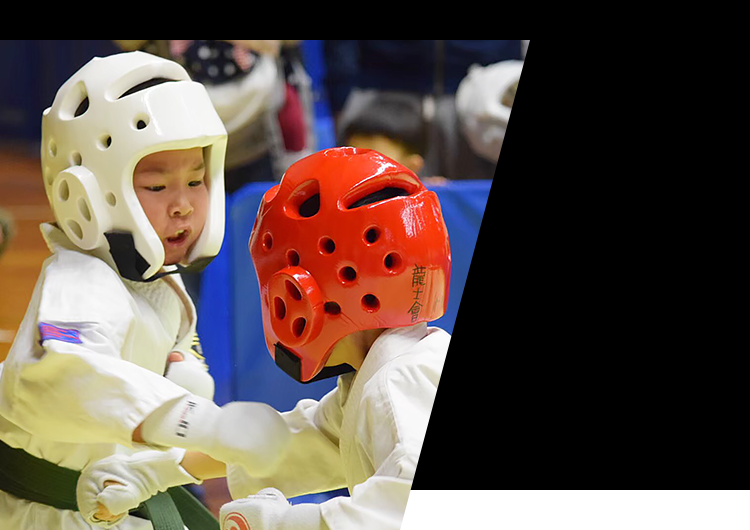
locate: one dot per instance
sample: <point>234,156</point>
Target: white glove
<point>252,435</point>
<point>269,510</point>
<point>191,376</point>
<point>140,477</point>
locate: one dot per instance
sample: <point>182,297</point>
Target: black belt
<point>35,479</point>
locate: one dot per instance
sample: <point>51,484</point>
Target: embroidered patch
<point>50,332</point>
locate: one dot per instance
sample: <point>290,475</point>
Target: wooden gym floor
<point>22,194</point>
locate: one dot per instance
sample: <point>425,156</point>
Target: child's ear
<point>414,162</point>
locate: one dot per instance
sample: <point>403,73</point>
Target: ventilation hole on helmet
<point>105,141</point>
<point>304,201</point>
<point>293,291</point>
<point>48,176</point>
<point>75,102</point>
<point>267,241</point>
<point>393,262</point>
<point>82,107</point>
<point>379,196</point>
<point>326,245</point>
<point>146,84</point>
<point>110,198</point>
<point>52,148</point>
<point>372,235</point>
<point>63,192</point>
<point>347,274</point>
<point>370,303</point>
<point>75,158</point>
<point>298,326</point>
<point>83,207</point>
<point>141,123</point>
<point>75,228</point>
<point>310,206</point>
<point>292,258</point>
<point>332,308</point>
<point>279,308</point>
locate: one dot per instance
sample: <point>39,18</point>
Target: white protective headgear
<point>479,105</point>
<point>109,115</point>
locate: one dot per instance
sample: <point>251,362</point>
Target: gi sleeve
<point>312,463</point>
<point>391,425</point>
<point>66,379</point>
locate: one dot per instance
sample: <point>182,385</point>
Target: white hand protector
<point>253,435</point>
<point>140,477</point>
<point>193,377</point>
<point>269,510</point>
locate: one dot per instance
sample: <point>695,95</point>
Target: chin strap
<point>196,266</point>
<point>131,265</point>
<point>292,366</point>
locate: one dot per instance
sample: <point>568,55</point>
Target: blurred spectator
<point>430,72</point>
<point>484,101</point>
<point>261,92</point>
<point>390,123</point>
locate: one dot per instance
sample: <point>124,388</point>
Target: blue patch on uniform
<point>50,332</point>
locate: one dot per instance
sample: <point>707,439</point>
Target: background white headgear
<point>482,106</point>
<point>109,115</point>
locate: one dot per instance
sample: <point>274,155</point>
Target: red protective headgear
<point>349,240</point>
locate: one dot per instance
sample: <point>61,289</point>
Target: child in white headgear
<point>132,160</point>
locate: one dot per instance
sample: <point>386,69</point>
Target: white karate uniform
<point>366,434</point>
<point>73,403</point>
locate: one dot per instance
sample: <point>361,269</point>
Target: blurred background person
<point>429,71</point>
<point>262,93</point>
<point>484,101</point>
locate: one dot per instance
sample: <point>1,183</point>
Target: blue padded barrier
<point>229,321</point>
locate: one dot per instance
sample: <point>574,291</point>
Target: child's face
<point>172,190</point>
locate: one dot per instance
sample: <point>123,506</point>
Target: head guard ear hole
<point>310,206</point>
<point>292,258</point>
<point>267,241</point>
<point>332,308</point>
<point>279,308</point>
<point>304,201</point>
<point>83,207</point>
<point>370,303</point>
<point>75,228</point>
<point>293,291</point>
<point>82,108</point>
<point>75,102</point>
<point>75,159</point>
<point>105,141</point>
<point>110,198</point>
<point>347,274</point>
<point>298,326</point>
<point>326,245</point>
<point>393,262</point>
<point>63,192</point>
<point>372,235</point>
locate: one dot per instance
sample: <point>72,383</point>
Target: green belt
<point>34,479</point>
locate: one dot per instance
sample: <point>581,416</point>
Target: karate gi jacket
<point>366,434</point>
<point>86,368</point>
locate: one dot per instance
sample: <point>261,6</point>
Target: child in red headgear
<point>353,260</point>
